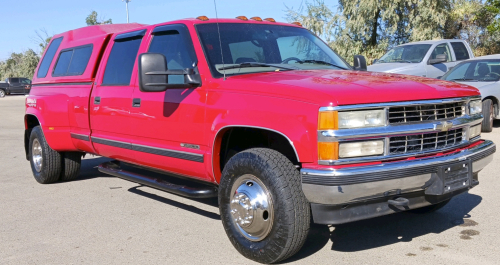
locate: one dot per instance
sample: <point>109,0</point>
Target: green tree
<point>493,7</point>
<point>93,19</point>
<point>370,27</point>
<point>19,65</point>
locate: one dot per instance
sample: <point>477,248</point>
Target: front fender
<point>295,120</point>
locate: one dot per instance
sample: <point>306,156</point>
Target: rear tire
<point>271,233</point>
<point>71,163</point>
<point>488,115</point>
<point>45,162</point>
<point>430,208</point>
<point>2,93</point>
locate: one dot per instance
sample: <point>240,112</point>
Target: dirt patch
<point>411,255</point>
<point>464,237</point>
<point>442,245</point>
<point>469,222</point>
<point>426,248</point>
<point>469,232</point>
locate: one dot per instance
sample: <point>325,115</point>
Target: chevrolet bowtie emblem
<point>443,126</point>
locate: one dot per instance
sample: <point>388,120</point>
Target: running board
<point>113,168</point>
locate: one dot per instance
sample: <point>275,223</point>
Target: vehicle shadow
<point>387,230</point>
<point>89,171</point>
<point>211,202</point>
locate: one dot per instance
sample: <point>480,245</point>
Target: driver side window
<point>442,48</point>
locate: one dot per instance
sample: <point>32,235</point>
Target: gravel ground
<point>100,219</point>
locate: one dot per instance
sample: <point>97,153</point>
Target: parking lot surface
<point>100,219</point>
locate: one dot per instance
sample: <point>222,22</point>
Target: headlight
<point>333,120</point>
<point>475,107</point>
<point>474,131</point>
<point>365,148</point>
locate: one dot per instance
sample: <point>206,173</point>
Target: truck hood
<point>479,85</point>
<point>335,88</point>
<point>392,67</point>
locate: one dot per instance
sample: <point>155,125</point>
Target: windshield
<point>475,71</point>
<point>251,48</point>
<point>414,53</point>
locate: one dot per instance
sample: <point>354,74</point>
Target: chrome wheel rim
<point>251,207</point>
<point>36,153</point>
<point>2,94</point>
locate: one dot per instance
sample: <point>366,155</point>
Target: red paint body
<point>286,102</point>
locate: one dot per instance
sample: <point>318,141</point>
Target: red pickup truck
<point>263,115</point>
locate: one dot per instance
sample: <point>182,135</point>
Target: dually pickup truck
<point>15,86</point>
<point>263,115</point>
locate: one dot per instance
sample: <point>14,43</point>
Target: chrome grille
<point>427,112</point>
<point>425,142</point>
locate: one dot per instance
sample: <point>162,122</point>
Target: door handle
<point>97,100</point>
<point>136,102</point>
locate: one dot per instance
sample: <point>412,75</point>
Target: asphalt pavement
<point>99,219</point>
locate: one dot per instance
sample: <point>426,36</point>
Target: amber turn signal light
<point>270,19</point>
<point>328,120</point>
<point>202,18</point>
<point>242,18</point>
<point>328,151</point>
<point>256,19</point>
<point>297,23</point>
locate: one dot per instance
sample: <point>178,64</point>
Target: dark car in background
<point>15,85</point>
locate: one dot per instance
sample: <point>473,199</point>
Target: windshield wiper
<point>254,64</point>
<point>324,63</point>
<point>464,79</point>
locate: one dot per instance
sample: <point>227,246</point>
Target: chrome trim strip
<point>394,130</point>
<point>78,136</point>
<point>63,84</point>
<point>249,126</point>
<point>397,104</point>
<point>365,159</point>
<point>150,149</point>
<point>366,173</point>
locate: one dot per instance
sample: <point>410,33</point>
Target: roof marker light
<point>256,19</point>
<point>202,18</point>
<point>242,18</point>
<point>297,23</point>
<point>270,19</point>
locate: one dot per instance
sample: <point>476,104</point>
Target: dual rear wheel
<point>50,166</point>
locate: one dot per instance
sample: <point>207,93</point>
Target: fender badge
<point>443,126</point>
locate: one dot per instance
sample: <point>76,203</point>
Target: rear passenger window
<point>73,61</point>
<point>460,50</point>
<point>47,59</point>
<point>121,59</point>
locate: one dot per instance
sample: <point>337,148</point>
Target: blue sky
<point>20,18</point>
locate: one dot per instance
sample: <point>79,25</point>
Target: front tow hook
<point>399,202</point>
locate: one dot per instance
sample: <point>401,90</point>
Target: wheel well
<point>495,103</point>
<point>236,139</point>
<point>30,122</point>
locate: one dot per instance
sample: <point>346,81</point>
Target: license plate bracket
<point>451,177</point>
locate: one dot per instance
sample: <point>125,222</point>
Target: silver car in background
<point>484,74</point>
<point>424,58</point>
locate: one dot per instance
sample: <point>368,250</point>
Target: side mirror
<point>374,61</point>
<point>153,74</point>
<point>360,63</point>
<point>440,58</point>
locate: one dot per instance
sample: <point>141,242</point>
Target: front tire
<point>263,209</point>
<point>45,162</point>
<point>488,115</point>
<point>2,93</point>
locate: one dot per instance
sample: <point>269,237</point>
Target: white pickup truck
<point>424,58</point>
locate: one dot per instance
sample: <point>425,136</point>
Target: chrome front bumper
<point>356,184</point>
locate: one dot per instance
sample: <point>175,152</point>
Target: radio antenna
<point>220,42</point>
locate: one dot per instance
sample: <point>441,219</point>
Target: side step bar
<point>113,168</point>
